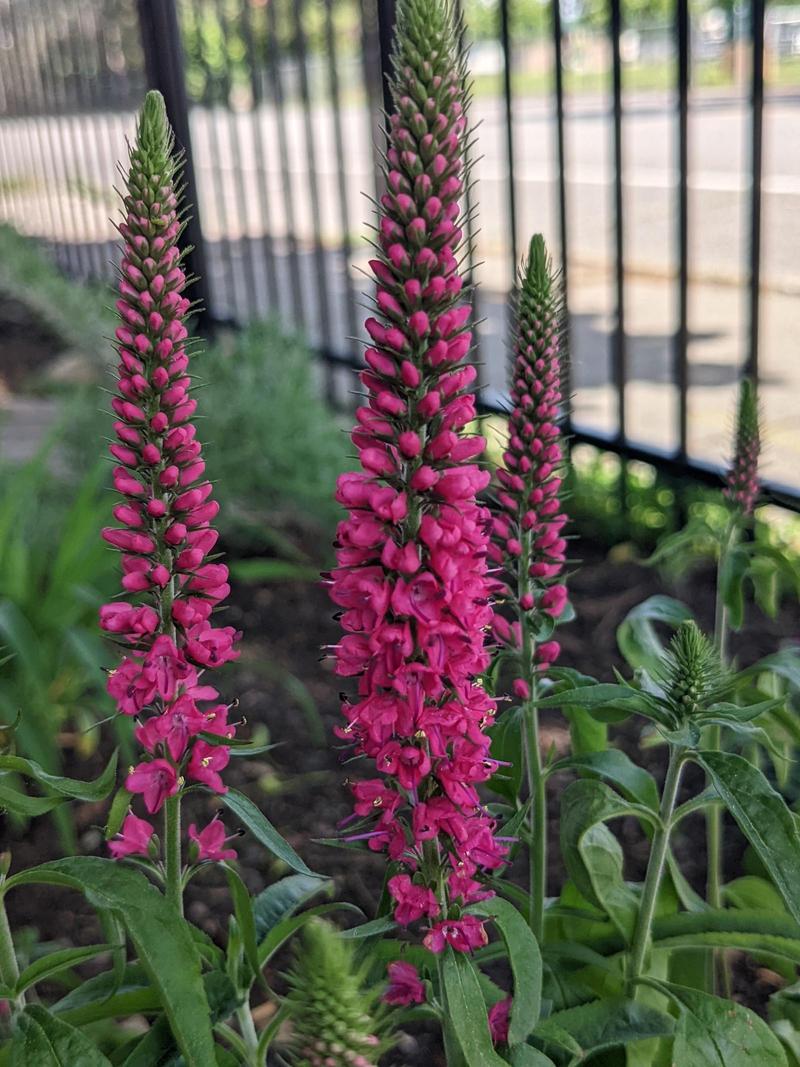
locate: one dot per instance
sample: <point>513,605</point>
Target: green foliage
<point>54,574</point>
<point>274,447</point>
<point>74,313</point>
<point>335,1017</point>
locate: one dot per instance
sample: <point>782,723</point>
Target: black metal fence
<point>597,128</point>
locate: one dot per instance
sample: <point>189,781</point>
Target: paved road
<point>243,196</point>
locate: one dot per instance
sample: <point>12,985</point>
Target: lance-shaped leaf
<point>263,830</point>
<point>73,788</point>
<point>763,817</point>
<point>466,1011</point>
<point>164,946</point>
<point>526,964</point>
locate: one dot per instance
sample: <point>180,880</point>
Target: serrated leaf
<point>41,1040</point>
<point>637,638</point>
<point>525,959</point>
<point>603,1024</point>
<point>592,855</point>
<point>712,1032</point>
<point>263,830</point>
<point>614,766</point>
<point>763,817</point>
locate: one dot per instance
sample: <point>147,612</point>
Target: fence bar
<point>273,291</point>
<point>298,304</point>
<point>320,266</point>
<point>681,350</point>
<point>345,248</point>
<point>756,164</point>
<point>558,60</point>
<point>618,348</point>
<point>163,54</point>
<point>505,41</point>
<point>387,16</point>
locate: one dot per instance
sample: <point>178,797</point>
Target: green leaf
<point>604,695</point>
<point>54,962</point>
<point>528,1056</point>
<point>712,1032</point>
<point>117,812</point>
<point>105,997</point>
<point>382,925</point>
<point>41,1040</point>
<point>526,964</point>
<point>637,637</point>
<point>263,830</point>
<point>155,1049</point>
<point>592,855</point>
<point>283,898</point>
<point>243,910</point>
<point>786,664</point>
<point>603,1024</point>
<point>733,569</point>
<point>635,783</point>
<point>18,803</point>
<point>762,816</point>
<point>281,933</point>
<point>66,787</point>
<point>466,1011</point>
<point>164,946</point>
<point>586,733</point>
<point>506,737</point>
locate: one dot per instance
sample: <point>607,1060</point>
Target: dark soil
<point>300,784</point>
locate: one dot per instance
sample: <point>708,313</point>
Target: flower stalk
<point>9,968</point>
<point>411,578</point>
<point>164,534</point>
<point>656,866</point>
<point>741,490</point>
<point>527,529</point>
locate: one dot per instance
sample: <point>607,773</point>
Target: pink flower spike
<point>210,842</point>
<point>156,781</point>
<point>405,986</point>
<point>133,839</point>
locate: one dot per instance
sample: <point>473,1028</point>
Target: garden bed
<point>300,783</point>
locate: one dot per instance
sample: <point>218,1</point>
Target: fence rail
<point>278,104</point>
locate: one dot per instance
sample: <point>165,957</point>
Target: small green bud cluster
<point>692,673</point>
<point>335,1021</point>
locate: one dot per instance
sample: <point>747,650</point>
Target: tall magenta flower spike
<point>528,540</point>
<point>412,567</point>
<point>741,481</point>
<point>164,532</point>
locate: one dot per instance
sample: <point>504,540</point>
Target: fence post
<point>163,56</point>
<point>387,16</point>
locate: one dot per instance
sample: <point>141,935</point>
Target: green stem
<point>537,817</point>
<point>655,867</point>
<point>172,853</point>
<point>715,843</point>
<point>249,1035</point>
<point>9,968</point>
<point>537,849</point>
